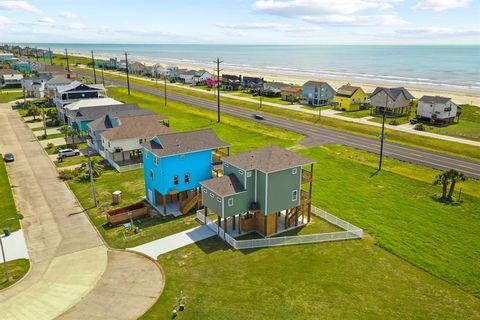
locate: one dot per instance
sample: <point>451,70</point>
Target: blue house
<point>175,163</point>
<point>317,93</point>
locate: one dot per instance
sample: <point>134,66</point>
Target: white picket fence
<point>350,232</point>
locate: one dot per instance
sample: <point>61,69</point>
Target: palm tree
<point>455,177</point>
<point>96,167</point>
<point>66,131</point>
<point>32,110</point>
<point>443,179</point>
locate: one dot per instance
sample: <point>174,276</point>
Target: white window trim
<point>212,195</point>
<point>294,171</point>
<point>240,172</point>
<point>295,195</point>
<point>249,174</point>
<point>219,199</point>
<point>230,202</point>
<point>205,190</point>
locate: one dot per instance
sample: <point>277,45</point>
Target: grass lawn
<point>48,127</point>
<point>355,114</point>
<point>70,161</point>
<point>468,127</point>
<point>395,121</point>
<point>402,213</point>
<point>277,100</point>
<point>17,269</point>
<point>52,136</point>
<point>8,209</point>
<point>337,280</point>
<point>54,149</point>
<point>10,96</point>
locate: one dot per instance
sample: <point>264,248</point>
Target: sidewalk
<point>175,241</point>
<point>14,246</point>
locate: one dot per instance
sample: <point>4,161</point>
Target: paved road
<point>325,135</point>
<point>69,260</point>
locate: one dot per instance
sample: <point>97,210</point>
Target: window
<point>205,190</point>
<point>219,199</point>
<point>109,144</point>
<point>187,177</point>
<point>140,141</point>
<point>225,165</point>
<point>240,172</point>
<point>249,174</point>
<point>294,195</point>
<point>175,180</point>
<point>151,175</point>
<point>156,160</point>
<point>212,195</point>
<point>230,202</point>
<point>294,171</point>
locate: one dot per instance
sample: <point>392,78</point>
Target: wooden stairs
<point>190,202</point>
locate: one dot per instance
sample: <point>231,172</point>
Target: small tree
<point>32,110</point>
<point>96,167</point>
<point>455,177</point>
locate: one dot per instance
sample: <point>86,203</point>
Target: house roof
<point>12,76</point>
<point>312,83</point>
<point>9,71</point>
<point>276,85</point>
<point>92,113</point>
<point>59,80</point>
<point>224,185</point>
<point>190,72</point>
<point>145,126</point>
<point>104,122</point>
<point>289,89</point>
<point>347,91</point>
<point>434,99</point>
<point>185,142</point>
<point>267,159</point>
<point>93,102</point>
<point>181,71</point>
<point>77,83</point>
<point>394,92</point>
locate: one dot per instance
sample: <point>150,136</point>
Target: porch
<point>176,203</point>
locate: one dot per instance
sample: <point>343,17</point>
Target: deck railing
<point>350,232</point>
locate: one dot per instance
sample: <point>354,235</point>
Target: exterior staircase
<point>189,203</point>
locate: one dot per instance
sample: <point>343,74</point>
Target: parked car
<point>259,117</point>
<point>414,121</point>
<point>68,153</point>
<point>8,157</point>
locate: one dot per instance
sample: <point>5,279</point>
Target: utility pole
<point>261,98</point>
<point>94,72</point>
<point>68,64</point>
<point>50,53</point>
<point>128,78</point>
<point>218,88</point>
<point>103,78</point>
<point>36,53</point>
<point>319,112</point>
<point>44,124</point>
<point>92,181</point>
<point>382,137</point>
<point>165,89</point>
<point>5,267</point>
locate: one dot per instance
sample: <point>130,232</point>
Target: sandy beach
<point>458,97</point>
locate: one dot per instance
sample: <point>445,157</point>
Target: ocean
<point>451,68</point>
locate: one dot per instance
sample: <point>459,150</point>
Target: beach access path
<point>324,113</point>
<point>71,267</point>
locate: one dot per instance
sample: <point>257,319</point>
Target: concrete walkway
<point>14,246</point>
<point>175,241</point>
<point>68,258</point>
<point>55,142</point>
<point>39,133</point>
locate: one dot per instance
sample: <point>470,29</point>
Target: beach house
<point>437,110</point>
<point>10,78</point>
<point>230,82</point>
<point>54,82</point>
<point>317,93</point>
<point>252,83</point>
<point>273,89</point>
<point>122,144</point>
<point>350,98</point>
<point>175,163</point>
<point>291,93</point>
<point>34,87</point>
<point>260,190</point>
<point>71,110</point>
<point>201,77</point>
<point>392,101</point>
<point>75,91</point>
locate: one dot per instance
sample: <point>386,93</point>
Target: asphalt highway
<point>325,135</point>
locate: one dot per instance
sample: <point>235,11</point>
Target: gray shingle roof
<point>185,142</point>
<point>436,99</point>
<point>92,113</point>
<point>103,122</point>
<point>224,185</point>
<point>347,90</point>
<point>312,83</point>
<point>59,80</point>
<point>74,84</point>
<point>394,92</point>
<point>267,159</point>
<point>146,126</point>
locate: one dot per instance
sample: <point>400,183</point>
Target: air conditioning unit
<point>254,206</point>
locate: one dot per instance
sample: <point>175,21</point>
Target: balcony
<point>306,176</point>
<point>218,154</point>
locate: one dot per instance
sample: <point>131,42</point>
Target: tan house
<point>291,93</point>
<point>392,100</point>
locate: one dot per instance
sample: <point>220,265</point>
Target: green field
<point>16,268</point>
<point>8,210</point>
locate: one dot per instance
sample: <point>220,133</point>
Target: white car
<point>68,153</point>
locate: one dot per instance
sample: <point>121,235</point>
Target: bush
<point>50,145</point>
<point>69,174</point>
<point>84,177</point>
<point>419,127</point>
<point>393,122</point>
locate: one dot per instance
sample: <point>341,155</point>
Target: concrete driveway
<point>70,263</point>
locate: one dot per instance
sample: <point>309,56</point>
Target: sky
<point>241,21</point>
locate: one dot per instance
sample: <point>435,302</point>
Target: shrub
<point>50,145</point>
<point>69,174</point>
<point>419,127</point>
<point>393,122</point>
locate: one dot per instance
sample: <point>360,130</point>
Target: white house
<point>11,80</point>
<point>34,87</point>
<point>122,143</point>
<point>201,76</point>
<point>437,110</point>
<point>52,84</point>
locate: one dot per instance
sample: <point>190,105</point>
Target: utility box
<point>6,232</point>
<point>116,197</point>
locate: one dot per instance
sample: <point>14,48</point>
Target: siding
<point>280,187</point>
